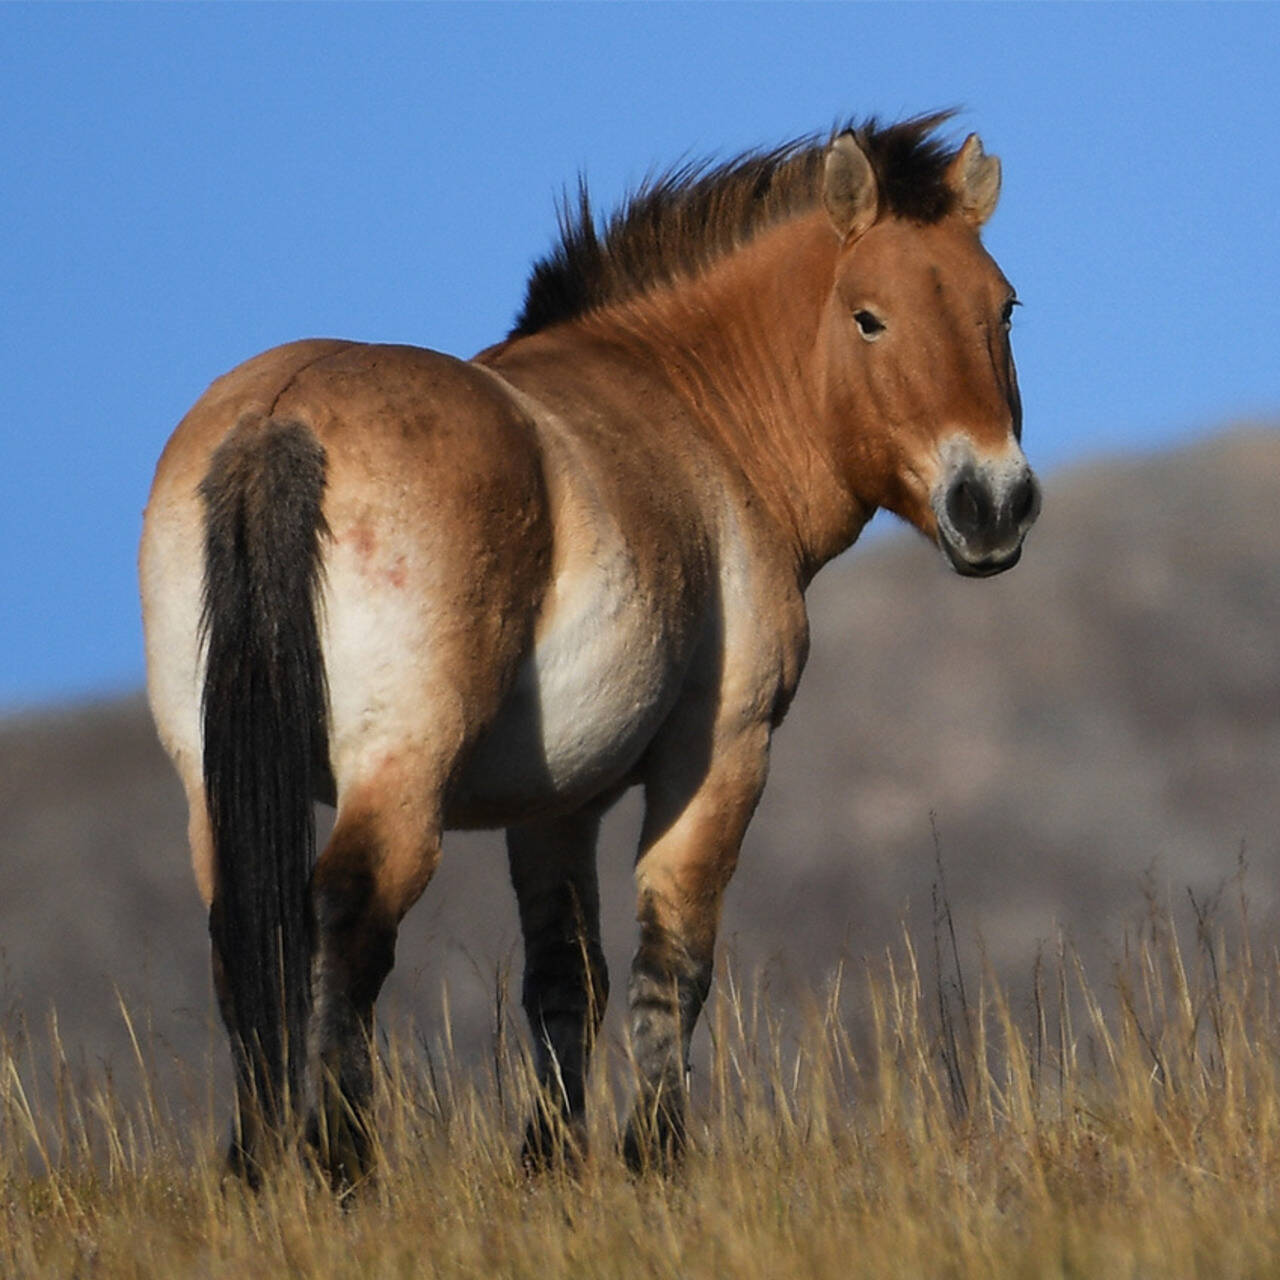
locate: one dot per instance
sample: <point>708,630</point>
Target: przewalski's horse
<point>440,593</point>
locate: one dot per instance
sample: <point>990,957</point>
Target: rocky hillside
<point>1103,721</point>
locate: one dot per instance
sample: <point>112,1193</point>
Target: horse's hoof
<point>343,1156</point>
<point>655,1144</point>
<point>553,1144</point>
<point>241,1165</point>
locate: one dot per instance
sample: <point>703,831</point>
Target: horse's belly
<point>582,709</point>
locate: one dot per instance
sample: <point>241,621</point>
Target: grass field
<point>1125,1124</point>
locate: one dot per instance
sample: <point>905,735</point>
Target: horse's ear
<point>975,178</point>
<point>849,188</point>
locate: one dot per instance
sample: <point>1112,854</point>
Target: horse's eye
<point>1006,316</point>
<point>869,324</point>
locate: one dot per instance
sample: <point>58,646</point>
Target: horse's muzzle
<point>984,511</point>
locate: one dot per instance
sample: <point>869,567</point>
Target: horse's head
<point>919,382</point>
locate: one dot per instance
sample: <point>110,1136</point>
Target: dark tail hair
<point>265,711</point>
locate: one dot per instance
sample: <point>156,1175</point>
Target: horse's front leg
<point>700,793</point>
<point>566,982</point>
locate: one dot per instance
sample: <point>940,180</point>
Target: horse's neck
<point>737,347</point>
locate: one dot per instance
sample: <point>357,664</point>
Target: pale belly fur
<point>585,703</point>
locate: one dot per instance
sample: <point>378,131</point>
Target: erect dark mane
<point>678,223</point>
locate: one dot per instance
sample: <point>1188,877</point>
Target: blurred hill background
<point>1104,721</point>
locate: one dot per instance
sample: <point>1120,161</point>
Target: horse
<point>440,594</point>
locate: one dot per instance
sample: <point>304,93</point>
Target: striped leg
<point>566,982</point>
<point>689,847</point>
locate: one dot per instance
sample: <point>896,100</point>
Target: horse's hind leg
<point>384,848</point>
<point>566,982</point>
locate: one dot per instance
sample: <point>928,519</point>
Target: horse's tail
<point>265,731</point>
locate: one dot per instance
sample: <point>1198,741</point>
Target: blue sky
<point>186,185</point>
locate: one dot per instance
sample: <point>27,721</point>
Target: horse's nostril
<point>969,506</point>
<point>1022,501</point>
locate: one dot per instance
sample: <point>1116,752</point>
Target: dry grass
<point>1129,1127</point>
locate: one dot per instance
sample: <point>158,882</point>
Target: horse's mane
<point>680,221</point>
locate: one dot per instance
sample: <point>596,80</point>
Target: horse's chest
<point>604,673</point>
